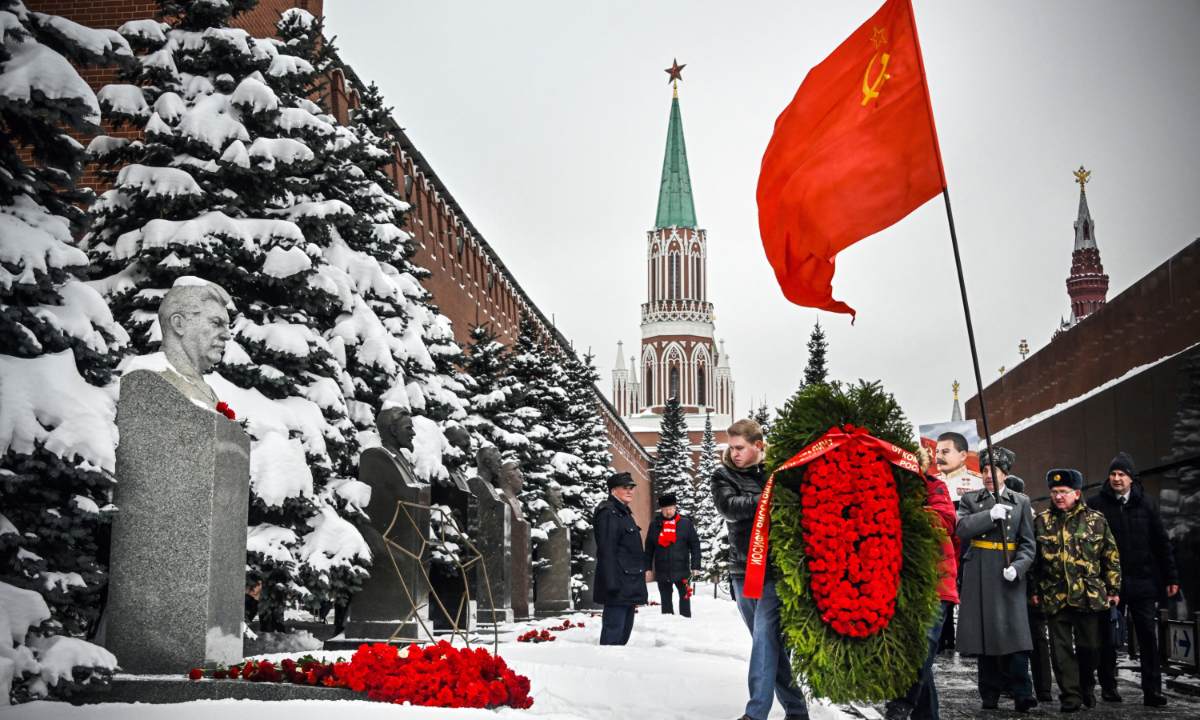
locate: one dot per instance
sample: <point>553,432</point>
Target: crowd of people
<point>1037,594</point>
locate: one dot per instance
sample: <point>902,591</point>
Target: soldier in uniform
<point>1076,575</point>
<point>993,620</point>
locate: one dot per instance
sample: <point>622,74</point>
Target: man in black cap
<point>672,540</point>
<point>620,569</point>
<point>1147,569</point>
<point>1076,574</point>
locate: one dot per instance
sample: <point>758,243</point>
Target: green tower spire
<point>675,194</point>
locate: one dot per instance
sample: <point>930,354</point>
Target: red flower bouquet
<point>224,409</point>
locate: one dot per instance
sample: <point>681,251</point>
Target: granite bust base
<point>387,597</point>
<point>552,584</point>
<point>177,578</point>
<point>163,691</point>
<point>589,573</point>
<point>491,531</point>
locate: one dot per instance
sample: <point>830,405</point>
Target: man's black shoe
<point>796,717</point>
<point>1025,703</point>
<point>1155,700</point>
<point>1089,701</point>
<point>897,711</point>
<point>1110,695</point>
<point>991,704</point>
<point>1069,707</point>
<point>1045,697</point>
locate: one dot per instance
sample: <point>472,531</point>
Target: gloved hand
<point>999,512</point>
<point>1010,573</point>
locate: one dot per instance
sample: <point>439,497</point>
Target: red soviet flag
<point>854,152</point>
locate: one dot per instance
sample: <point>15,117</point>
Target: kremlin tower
<point>1088,285</point>
<point>679,356</point>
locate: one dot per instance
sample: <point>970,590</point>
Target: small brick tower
<point>1088,285</point>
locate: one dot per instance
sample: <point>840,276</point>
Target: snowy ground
<point>673,667</point>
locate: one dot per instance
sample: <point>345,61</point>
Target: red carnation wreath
<point>852,537</point>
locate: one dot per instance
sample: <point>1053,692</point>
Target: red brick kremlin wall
<point>469,283</point>
<point>1156,317</point>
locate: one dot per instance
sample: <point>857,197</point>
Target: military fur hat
<point>620,479</point>
<point>667,500</point>
<point>1014,483</point>
<point>1004,458</point>
<point>1071,479</point>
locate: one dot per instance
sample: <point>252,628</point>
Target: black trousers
<point>616,624</point>
<point>1039,659</point>
<point>685,604</point>
<point>1140,612</point>
<point>991,681</point>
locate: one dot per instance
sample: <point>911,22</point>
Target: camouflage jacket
<point>1077,563</point>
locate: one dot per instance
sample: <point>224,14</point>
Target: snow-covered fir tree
<point>494,416</point>
<point>542,403</point>
<point>241,179</point>
<point>710,526</point>
<point>673,466</point>
<point>58,341</point>
<point>815,371</point>
<point>762,416</point>
<point>585,486</point>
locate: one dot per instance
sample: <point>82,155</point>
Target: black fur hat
<point>1072,479</point>
<point>666,500</point>
<point>1004,458</point>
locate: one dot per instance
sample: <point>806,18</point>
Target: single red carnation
<point>195,674</point>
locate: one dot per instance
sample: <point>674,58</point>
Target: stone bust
<point>194,320</point>
<point>396,429</point>
<point>554,496</point>
<point>511,479</point>
<point>458,437</point>
<point>487,462</point>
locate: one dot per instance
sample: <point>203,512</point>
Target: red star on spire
<point>675,72</point>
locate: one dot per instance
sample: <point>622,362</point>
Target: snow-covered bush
<point>58,341</point>
<point>34,661</point>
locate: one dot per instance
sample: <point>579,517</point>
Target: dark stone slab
<point>177,578</point>
<point>491,528</point>
<point>158,691</point>
<point>451,586</point>
<point>553,582</point>
<point>387,596</point>
<point>589,574</point>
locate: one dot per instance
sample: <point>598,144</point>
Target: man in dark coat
<point>737,485</point>
<point>993,620</point>
<point>1147,568</point>
<point>620,569</point>
<point>672,541</point>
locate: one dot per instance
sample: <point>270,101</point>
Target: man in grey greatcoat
<point>993,621</point>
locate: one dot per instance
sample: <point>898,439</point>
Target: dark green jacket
<point>1077,564</point>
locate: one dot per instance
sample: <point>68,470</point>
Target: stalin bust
<point>194,320</point>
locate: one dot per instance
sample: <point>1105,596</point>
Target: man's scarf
<point>667,536</point>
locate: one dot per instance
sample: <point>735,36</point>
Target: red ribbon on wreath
<point>756,563</point>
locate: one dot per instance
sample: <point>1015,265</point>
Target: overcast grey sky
<point>548,123</point>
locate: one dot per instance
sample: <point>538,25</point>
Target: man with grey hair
<point>194,321</point>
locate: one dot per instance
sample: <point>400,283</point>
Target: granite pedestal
<point>491,529</point>
<point>391,600</point>
<point>552,591</point>
<point>589,573</point>
<point>177,577</point>
<point>449,582</point>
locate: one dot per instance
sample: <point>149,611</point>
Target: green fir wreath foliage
<point>886,664</point>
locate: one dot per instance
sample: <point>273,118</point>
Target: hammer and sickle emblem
<point>872,90</point>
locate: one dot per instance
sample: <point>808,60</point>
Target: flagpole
<point>987,431</point>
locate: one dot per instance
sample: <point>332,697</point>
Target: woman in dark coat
<point>672,541</point>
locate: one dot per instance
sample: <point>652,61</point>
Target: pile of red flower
<point>567,625</point>
<point>534,636</point>
<point>436,675</point>
<point>851,527</point>
<point>224,409</point>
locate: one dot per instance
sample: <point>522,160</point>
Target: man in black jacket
<point>620,573</point>
<point>670,543</point>
<point>737,486</point>
<point>1147,568</point>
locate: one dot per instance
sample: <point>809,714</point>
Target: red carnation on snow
<point>224,409</point>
